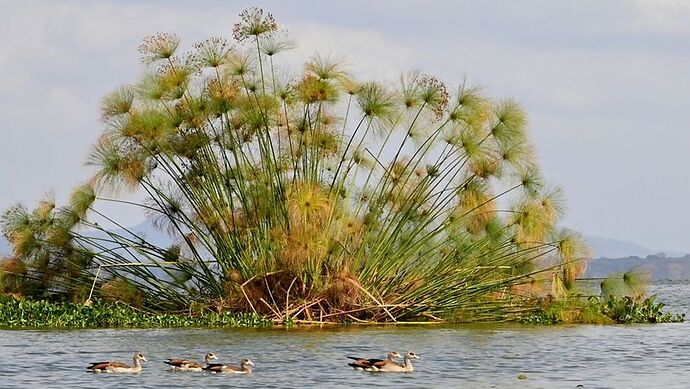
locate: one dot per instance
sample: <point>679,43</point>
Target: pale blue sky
<point>606,85</point>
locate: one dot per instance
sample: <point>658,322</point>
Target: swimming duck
<point>245,367</point>
<point>189,365</point>
<point>118,367</point>
<point>406,368</point>
<point>374,364</point>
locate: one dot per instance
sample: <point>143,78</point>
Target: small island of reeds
<point>307,197</point>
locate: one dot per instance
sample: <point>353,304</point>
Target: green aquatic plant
<point>627,309</point>
<point>305,197</point>
<point>24,314</point>
<point>622,300</point>
<point>599,310</point>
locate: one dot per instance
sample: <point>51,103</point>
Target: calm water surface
<point>633,356</point>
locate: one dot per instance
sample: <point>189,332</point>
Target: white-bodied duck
<point>189,365</point>
<point>245,367</point>
<point>118,367</point>
<point>375,364</point>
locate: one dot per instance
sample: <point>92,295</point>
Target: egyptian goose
<point>245,367</point>
<point>189,365</point>
<point>374,364</point>
<point>406,368</point>
<point>118,367</point>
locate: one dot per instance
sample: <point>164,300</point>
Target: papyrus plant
<point>316,195</point>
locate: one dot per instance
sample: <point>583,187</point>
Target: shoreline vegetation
<point>303,197</point>
<point>18,314</point>
<point>30,314</point>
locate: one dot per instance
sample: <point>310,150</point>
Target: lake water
<point>622,356</point>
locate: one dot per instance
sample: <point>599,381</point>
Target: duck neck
<point>408,364</point>
<point>137,364</point>
<point>246,367</point>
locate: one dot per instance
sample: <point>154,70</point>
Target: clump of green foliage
<point>311,196</point>
<point>22,314</point>
<point>629,310</point>
<point>599,310</point>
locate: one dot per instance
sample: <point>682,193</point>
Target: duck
<point>404,368</point>
<point>118,367</point>
<point>189,365</point>
<point>374,364</point>
<point>245,367</point>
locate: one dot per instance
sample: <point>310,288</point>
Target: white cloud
<point>663,16</point>
<point>368,54</point>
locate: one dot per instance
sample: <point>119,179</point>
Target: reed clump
<point>311,196</point>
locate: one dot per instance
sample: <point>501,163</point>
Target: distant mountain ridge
<point>658,267</point>
<point>618,256</point>
<point>615,248</point>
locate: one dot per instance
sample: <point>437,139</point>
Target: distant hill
<point>617,256</point>
<point>614,248</point>
<point>659,267</point>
